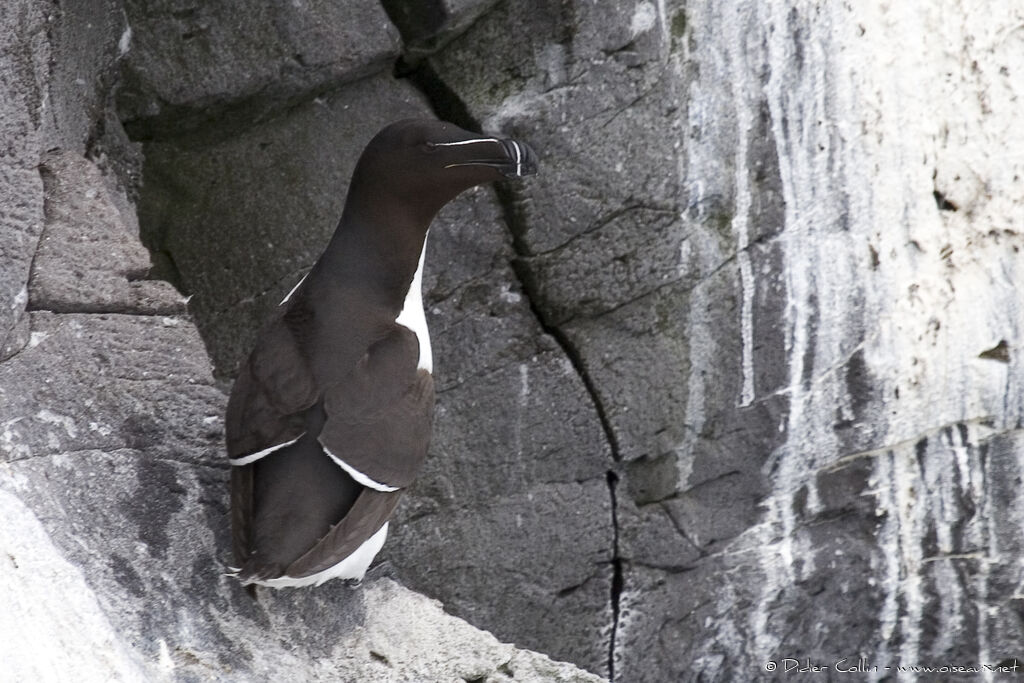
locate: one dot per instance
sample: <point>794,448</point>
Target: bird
<point>330,415</point>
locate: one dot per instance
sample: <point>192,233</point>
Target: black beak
<point>522,160</point>
<point>515,159</point>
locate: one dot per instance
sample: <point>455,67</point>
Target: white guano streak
<point>777,552</point>
<point>740,224</point>
<point>787,559</point>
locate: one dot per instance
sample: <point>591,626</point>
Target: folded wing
<point>379,417</point>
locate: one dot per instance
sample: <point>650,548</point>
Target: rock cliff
<point>113,482</point>
<point>734,380</point>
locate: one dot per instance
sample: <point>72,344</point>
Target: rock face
<point>519,453</point>
<point>195,64</point>
<point>768,247</point>
<point>735,380</point>
<point>113,481</point>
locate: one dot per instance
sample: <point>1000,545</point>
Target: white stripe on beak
<point>519,158</point>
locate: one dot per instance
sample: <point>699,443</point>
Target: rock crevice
<point>446,104</point>
<point>736,378</point>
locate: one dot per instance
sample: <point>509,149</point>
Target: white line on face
<point>466,142</point>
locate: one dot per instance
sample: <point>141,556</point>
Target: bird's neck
<point>375,256</point>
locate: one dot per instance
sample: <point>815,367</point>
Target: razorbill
<point>330,416</point>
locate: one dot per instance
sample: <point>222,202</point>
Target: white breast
<point>413,317</point>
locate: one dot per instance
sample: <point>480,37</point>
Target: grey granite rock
<point>86,39</point>
<point>190,64</point>
<point>599,232</point>
<point>734,380</point>
<point>49,410</point>
<point>24,53</point>
<point>113,557</point>
<point>56,67</point>
<point>89,258</point>
<point>21,224</point>
<point>753,241</point>
<point>428,26</point>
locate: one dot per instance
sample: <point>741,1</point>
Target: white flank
<point>466,142</point>
<point>357,475</point>
<point>352,567</point>
<point>413,317</point>
<point>253,457</point>
<point>289,294</point>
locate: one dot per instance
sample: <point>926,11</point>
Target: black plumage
<point>330,416</point>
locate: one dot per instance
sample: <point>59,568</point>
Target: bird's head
<point>419,165</point>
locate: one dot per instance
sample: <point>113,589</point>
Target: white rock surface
<point>894,127</point>
<point>51,628</point>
